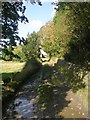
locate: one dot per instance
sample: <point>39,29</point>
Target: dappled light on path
<point>52,94</point>
<point>76,108</point>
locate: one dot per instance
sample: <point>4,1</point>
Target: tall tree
<point>10,18</point>
<point>31,47</point>
<point>48,39</point>
<point>76,21</point>
<point>12,12</point>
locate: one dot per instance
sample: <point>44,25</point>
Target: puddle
<point>50,104</point>
<point>28,107</point>
<point>22,108</point>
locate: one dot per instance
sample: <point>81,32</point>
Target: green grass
<point>9,66</point>
<point>14,75</point>
<point>8,69</point>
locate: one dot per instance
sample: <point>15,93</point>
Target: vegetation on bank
<point>13,80</point>
<point>67,36</point>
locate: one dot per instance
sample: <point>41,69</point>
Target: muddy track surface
<point>63,103</point>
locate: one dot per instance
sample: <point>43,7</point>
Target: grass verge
<point>12,81</point>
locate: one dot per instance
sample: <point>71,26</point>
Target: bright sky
<point>37,15</point>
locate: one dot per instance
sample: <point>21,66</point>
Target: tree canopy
<point>31,46</point>
<point>12,12</point>
<point>72,21</point>
<point>66,36</point>
<point>10,18</point>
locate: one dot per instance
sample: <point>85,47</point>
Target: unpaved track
<point>64,103</point>
<point>76,108</point>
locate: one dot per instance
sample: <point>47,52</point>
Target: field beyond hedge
<point>9,66</point>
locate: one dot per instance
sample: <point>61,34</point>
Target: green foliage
<point>13,81</point>
<point>62,30</point>
<point>31,47</point>
<point>72,23</point>
<point>29,50</point>
<point>12,12</point>
<point>25,52</point>
<point>49,40</point>
<point>52,48</point>
<point>45,92</point>
<point>19,52</point>
<point>6,77</point>
<point>8,54</point>
<point>10,18</point>
<point>69,75</point>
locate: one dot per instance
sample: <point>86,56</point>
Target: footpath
<point>63,103</point>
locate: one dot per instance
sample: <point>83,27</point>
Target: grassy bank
<point>14,75</point>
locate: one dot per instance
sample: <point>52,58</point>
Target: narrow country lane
<point>63,103</point>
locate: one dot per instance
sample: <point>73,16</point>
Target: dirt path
<point>77,107</point>
<point>25,105</point>
<point>62,104</point>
